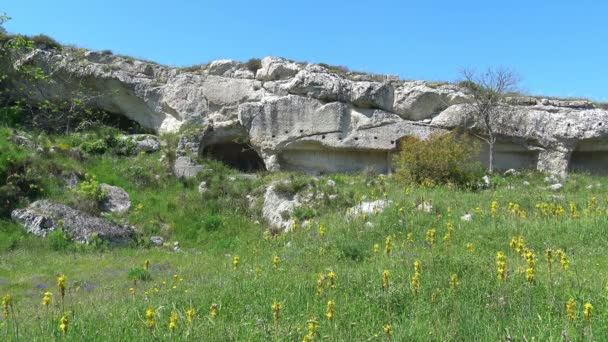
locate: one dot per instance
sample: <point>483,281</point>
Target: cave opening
<point>236,155</point>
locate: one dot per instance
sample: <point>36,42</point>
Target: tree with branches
<point>489,90</point>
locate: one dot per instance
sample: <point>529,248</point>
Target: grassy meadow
<point>333,278</point>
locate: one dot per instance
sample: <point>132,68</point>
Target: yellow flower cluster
<point>235,262</point>
<point>571,309</point>
<point>276,310</point>
<point>173,321</point>
<point>454,282</point>
<point>494,209</point>
<point>531,270</point>
<point>563,259</point>
<point>61,284</point>
<point>388,245</point>
<point>276,261</point>
<point>588,312</point>
<point>388,330</point>
<point>431,236</point>
<point>544,209</point>
<point>501,265</point>
<point>7,303</point>
<point>190,314</point>
<point>214,310</point>
<point>63,324</point>
<point>386,279</point>
<point>331,310</point>
<point>47,299</point>
<point>313,326</point>
<point>151,317</point>
<point>448,235</point>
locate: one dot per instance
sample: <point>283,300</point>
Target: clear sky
<point>558,47</point>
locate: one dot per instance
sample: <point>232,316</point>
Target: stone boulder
<point>417,100</point>
<point>279,207</point>
<point>44,216</point>
<point>274,68</point>
<point>144,143</point>
<point>117,199</point>
<point>186,167</point>
<point>368,208</point>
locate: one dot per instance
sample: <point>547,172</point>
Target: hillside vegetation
<point>336,277</point>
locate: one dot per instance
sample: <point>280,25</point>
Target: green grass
<point>215,226</point>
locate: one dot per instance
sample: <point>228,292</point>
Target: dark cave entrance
<point>236,155</point>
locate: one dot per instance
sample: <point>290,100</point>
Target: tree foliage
<point>489,90</point>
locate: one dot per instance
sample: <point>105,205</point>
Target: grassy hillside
<point>335,258</point>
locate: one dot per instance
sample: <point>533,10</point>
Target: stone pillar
<point>555,161</point>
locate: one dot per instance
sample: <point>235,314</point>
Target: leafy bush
<point>352,250</point>
<point>90,189</point>
<point>441,159</point>
<point>94,147</point>
<point>43,39</point>
<point>58,240</point>
<point>254,64</point>
<point>11,116</point>
<point>9,198</point>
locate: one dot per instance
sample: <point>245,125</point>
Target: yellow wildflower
<point>588,312</point>
<point>494,209</point>
<point>313,326</point>
<point>415,283</point>
<point>550,259</point>
<point>151,317</point>
<point>388,330</point>
<point>214,310</point>
<point>47,299</point>
<point>320,283</point>
<point>7,303</point>
<point>448,235</point>
<point>63,324</point>
<point>276,310</point>
<point>454,282</point>
<point>563,259</point>
<point>470,247</point>
<point>322,231</point>
<point>388,245</point>
<point>61,284</point>
<point>276,261</point>
<point>190,314</point>
<point>235,262</point>
<point>386,279</point>
<point>146,264</point>
<point>376,248</point>
<point>331,310</point>
<point>410,237</point>
<point>417,268</point>
<point>501,265</point>
<point>431,236</point>
<point>571,309</point>
<point>331,276</point>
<point>531,270</point>
<point>173,321</point>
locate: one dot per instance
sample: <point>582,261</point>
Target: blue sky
<point>558,47</point>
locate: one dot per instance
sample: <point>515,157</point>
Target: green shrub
<point>58,240</point>
<point>11,116</point>
<point>43,39</point>
<point>10,196</point>
<point>139,274</point>
<point>441,159</point>
<point>292,187</point>
<point>254,64</point>
<point>212,222</point>
<point>94,147</point>
<point>90,189</point>
<point>352,250</point>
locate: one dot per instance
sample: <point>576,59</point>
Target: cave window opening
<point>236,155</point>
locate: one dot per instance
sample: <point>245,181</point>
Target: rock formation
<point>298,116</point>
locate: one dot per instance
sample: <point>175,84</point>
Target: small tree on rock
<point>489,90</point>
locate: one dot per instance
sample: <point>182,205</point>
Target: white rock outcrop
<point>316,118</point>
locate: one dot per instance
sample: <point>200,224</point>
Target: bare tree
<point>489,90</point>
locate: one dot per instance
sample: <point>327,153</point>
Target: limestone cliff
<point>309,117</point>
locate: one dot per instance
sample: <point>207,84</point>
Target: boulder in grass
<point>44,216</point>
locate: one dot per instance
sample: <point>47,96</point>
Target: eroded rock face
<point>278,208</point>
<point>306,117</point>
<point>43,216</point>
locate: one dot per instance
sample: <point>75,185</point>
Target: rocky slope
<point>299,116</point>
